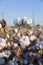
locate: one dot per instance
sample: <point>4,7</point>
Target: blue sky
<point>14,8</point>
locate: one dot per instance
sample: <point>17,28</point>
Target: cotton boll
<point>30,64</point>
<point>24,41</point>
<point>32,38</point>
<point>0,26</point>
<point>14,58</point>
<point>2,61</point>
<point>2,43</point>
<point>15,21</point>
<point>24,21</point>
<point>6,53</point>
<point>40,29</point>
<point>40,44</point>
<point>25,18</point>
<point>19,20</point>
<point>29,21</point>
<point>25,62</point>
<point>41,36</point>
<point>16,30</point>
<point>11,62</point>
<point>15,45</point>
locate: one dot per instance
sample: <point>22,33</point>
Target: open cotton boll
<point>29,21</point>
<point>24,21</point>
<point>40,44</point>
<point>25,62</point>
<point>11,62</point>
<point>2,61</point>
<point>18,18</point>
<point>24,41</point>
<point>30,64</point>
<point>16,30</point>
<point>15,45</point>
<point>32,38</point>
<point>6,53</point>
<point>2,43</point>
<point>41,36</point>
<point>0,26</point>
<point>40,29</point>
<point>15,21</point>
<point>19,21</point>
<point>25,18</point>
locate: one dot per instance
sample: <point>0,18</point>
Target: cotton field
<point>21,44</point>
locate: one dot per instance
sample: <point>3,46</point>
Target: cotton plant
<point>25,20</point>
<point>24,41</point>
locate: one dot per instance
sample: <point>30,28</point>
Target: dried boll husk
<point>30,32</point>
<point>18,52</point>
<point>3,22</point>
<point>16,49</point>
<point>40,52</point>
<point>2,30</point>
<point>7,35</point>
